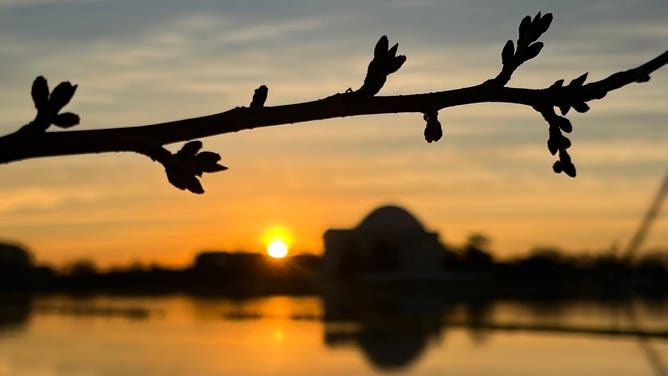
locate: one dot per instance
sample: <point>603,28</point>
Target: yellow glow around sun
<point>277,249</point>
<point>278,241</point>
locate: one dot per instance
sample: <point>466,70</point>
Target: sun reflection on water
<point>271,335</point>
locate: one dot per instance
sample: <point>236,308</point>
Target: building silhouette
<point>389,244</point>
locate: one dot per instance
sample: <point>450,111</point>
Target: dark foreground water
<point>280,335</point>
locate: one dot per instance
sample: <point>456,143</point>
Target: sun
<point>277,249</point>
<point>278,240</point>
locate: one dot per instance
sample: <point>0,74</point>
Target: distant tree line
<point>542,270</point>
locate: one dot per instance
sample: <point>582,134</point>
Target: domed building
<point>388,244</point>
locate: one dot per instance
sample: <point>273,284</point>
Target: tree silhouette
<point>185,166</point>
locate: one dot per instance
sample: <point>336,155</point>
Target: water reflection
<point>393,331</point>
<point>14,313</point>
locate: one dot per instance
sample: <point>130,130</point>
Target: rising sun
<point>277,249</point>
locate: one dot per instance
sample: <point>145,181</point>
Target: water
<point>337,335</point>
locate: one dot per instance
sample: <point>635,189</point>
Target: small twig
<point>529,32</point>
<point>259,97</point>
<point>385,62</point>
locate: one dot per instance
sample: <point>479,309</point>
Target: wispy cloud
<point>31,3</point>
<point>38,198</point>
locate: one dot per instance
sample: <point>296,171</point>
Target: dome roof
<point>390,218</point>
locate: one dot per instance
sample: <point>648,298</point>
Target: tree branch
<point>33,140</point>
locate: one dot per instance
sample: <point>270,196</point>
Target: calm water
<point>278,335</point>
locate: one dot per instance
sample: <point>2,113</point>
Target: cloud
<point>38,198</point>
<point>32,3</point>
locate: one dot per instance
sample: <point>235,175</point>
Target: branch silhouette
<point>184,167</point>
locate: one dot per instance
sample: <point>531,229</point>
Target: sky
<point>142,62</point>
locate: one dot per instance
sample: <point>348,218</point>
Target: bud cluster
<point>433,130</point>
<point>527,46</point>
<point>385,62</point>
<point>183,167</point>
<point>49,105</point>
<point>574,102</point>
<point>557,142</point>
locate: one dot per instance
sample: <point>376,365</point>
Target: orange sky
<point>491,173</point>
